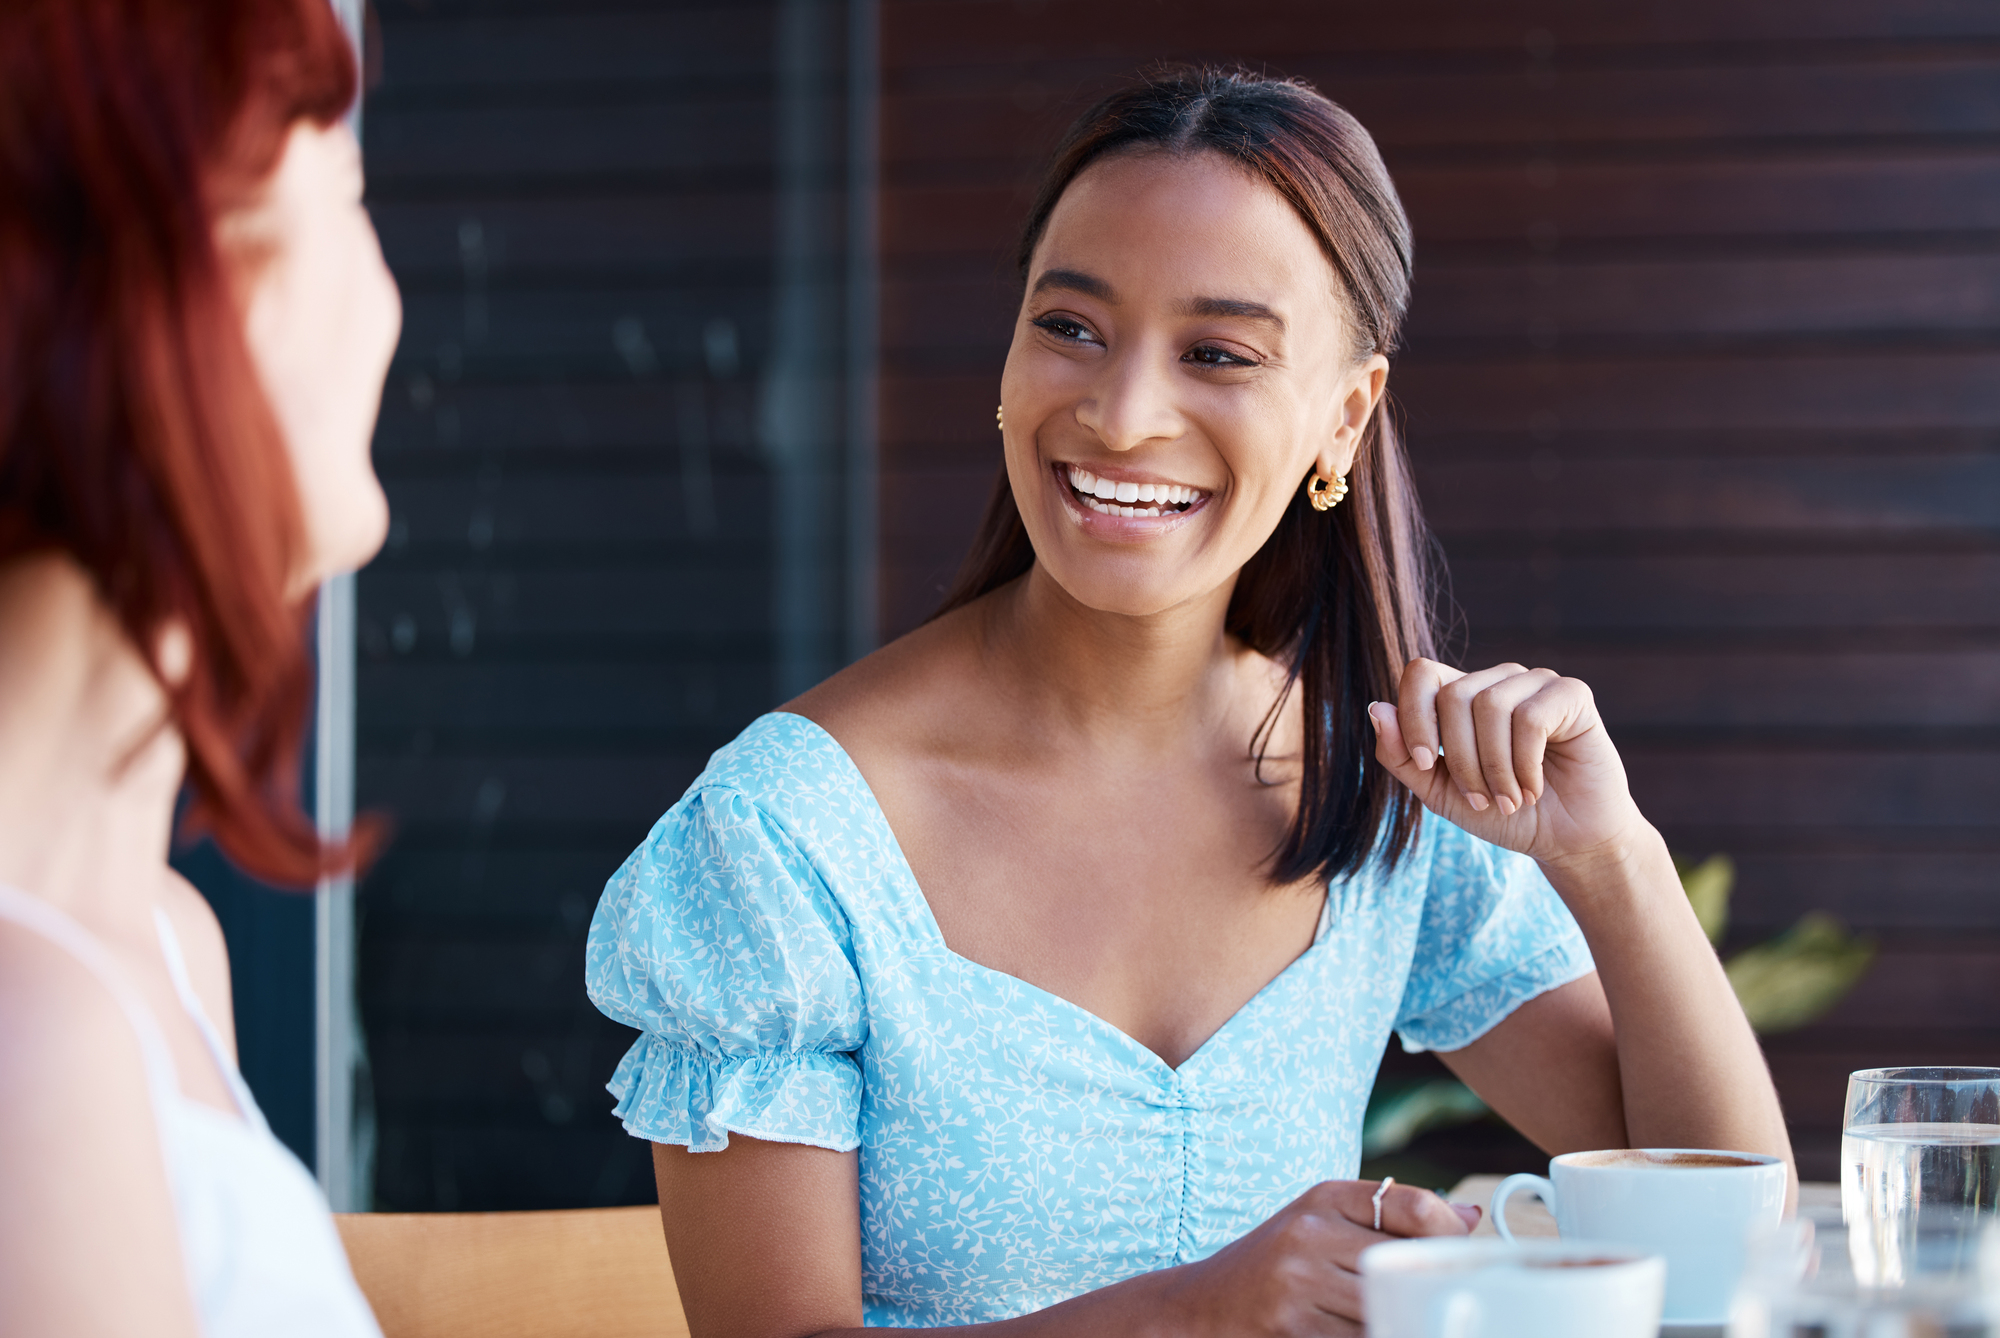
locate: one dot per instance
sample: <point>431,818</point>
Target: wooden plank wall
<point>575,606</point>
<point>1702,382</point>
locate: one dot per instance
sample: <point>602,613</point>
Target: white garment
<point>263,1257</point>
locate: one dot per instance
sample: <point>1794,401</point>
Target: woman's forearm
<point>1690,1068</point>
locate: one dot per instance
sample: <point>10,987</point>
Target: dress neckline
<point>1173,1073</point>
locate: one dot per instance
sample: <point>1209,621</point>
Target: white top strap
<point>32,913</point>
<point>170,948</point>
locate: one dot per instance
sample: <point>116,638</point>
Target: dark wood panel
<point>936,508</point>
<point>1900,887</point>
<point>473,794</point>
<point>1447,104</point>
<point>608,507</point>
<point>423,888</point>
<point>1715,788</point>
<point>1882,593</point>
<point>1734,689</point>
<point>483,1067</point>
<point>634,599</point>
<point>1555,491</point>
<point>485,980</point>
<point>430,424</point>
<point>508,55</point>
<point>564,699</point>
<point>1945,986</point>
<point>1544,304</point>
<point>579,330</point>
<point>1546,199</point>
<point>599,233</point>
<point>1811,1066</point>
<point>946,35</point>
<point>476,1163</point>
<point>1912,389</point>
<point>707,140</point>
<point>1521,446</point>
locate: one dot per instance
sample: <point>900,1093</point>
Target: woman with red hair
<point>195,322</point>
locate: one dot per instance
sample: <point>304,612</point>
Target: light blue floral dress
<point>771,944</point>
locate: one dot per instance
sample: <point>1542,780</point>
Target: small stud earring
<point>1325,493</point>
<point>1000,418</point>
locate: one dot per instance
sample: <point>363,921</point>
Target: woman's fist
<point>1515,756</point>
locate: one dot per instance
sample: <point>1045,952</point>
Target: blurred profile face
<point>1181,362</point>
<point>321,315</point>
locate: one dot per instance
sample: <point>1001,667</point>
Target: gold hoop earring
<point>1325,493</point>
<point>1000,418</point>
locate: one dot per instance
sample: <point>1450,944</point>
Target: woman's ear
<point>1360,397</point>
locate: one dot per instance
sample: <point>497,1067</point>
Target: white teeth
<point>1097,491</point>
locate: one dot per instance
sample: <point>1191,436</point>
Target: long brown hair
<point>1344,598</point>
<point>134,432</point>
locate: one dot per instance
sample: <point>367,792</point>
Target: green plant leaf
<point>1799,975</point>
<point>1708,885</point>
<point>1396,1116</point>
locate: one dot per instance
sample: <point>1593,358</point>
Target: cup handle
<point>1457,1316</point>
<point>1535,1184</point>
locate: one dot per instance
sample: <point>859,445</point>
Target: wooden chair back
<point>600,1273</point>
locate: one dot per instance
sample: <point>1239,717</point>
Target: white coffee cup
<point>1695,1207</point>
<point>1455,1287</point>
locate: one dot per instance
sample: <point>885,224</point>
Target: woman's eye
<point>1062,327</point>
<point>1208,355</point>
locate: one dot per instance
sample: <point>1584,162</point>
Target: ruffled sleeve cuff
<point>1459,1022</point>
<point>670,1094</point>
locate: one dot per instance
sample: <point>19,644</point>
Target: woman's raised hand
<point>1514,756</point>
<point>1299,1273</point>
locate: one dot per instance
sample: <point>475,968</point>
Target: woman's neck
<point>89,768</point>
<point>1154,675</point>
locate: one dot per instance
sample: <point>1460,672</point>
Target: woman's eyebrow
<point>1076,281</point>
<point>1231,306</point>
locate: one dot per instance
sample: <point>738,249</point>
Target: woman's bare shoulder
<point>58,1020</point>
<point>903,697</point>
<point>79,1155</point>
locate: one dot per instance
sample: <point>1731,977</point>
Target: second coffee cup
<point>1695,1207</point>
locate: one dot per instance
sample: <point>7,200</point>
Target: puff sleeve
<point>719,941</point>
<point>1494,935</point>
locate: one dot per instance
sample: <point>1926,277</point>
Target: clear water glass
<point>1919,1166</point>
<point>1801,1283</point>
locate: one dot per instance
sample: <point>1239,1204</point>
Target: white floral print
<point>771,944</point>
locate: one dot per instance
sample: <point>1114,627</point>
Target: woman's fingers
<point>1491,729</point>
<point>1406,1211</point>
<point>1460,732</point>
<point>1510,745</point>
<point>1416,708</point>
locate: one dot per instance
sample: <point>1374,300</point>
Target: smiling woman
<point>1035,969</point>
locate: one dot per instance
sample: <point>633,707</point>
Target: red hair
<point>134,433</point>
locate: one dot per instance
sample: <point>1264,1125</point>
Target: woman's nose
<point>1132,403</point>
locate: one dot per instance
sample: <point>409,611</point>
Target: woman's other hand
<point>1515,756</point>
<point>1300,1273</point>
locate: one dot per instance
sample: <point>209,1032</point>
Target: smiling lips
<point>1116,499</point>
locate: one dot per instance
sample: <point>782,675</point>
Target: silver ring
<point>1380,1190</point>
